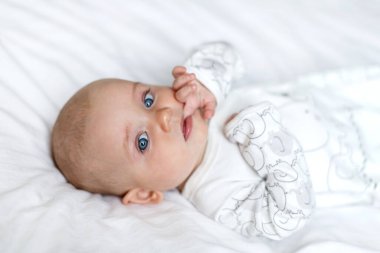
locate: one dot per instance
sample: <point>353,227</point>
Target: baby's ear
<point>142,196</point>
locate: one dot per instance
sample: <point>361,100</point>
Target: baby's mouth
<point>187,126</point>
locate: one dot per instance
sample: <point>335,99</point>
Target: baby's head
<point>127,139</point>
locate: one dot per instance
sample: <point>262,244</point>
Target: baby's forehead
<point>114,84</point>
<point>109,88</point>
<point>111,98</point>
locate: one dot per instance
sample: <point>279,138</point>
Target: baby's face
<point>141,132</point>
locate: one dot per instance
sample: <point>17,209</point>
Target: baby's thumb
<point>188,110</point>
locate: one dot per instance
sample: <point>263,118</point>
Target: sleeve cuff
<point>208,81</point>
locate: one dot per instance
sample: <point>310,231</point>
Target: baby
<point>130,139</point>
<point>137,141</point>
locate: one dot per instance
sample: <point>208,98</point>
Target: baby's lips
<point>187,127</point>
<point>183,127</point>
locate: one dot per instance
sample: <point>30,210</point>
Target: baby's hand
<point>192,93</point>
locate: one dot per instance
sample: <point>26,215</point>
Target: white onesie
<point>257,183</point>
<point>269,193</point>
<point>253,178</point>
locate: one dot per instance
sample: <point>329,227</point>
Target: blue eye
<point>148,99</point>
<point>142,142</point>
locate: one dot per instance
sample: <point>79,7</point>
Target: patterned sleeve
<point>282,200</point>
<point>216,65</point>
<point>217,85</point>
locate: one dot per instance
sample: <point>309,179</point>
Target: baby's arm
<point>283,200</point>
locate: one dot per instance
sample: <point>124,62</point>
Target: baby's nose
<point>164,117</point>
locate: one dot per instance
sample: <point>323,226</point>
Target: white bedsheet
<point>50,49</point>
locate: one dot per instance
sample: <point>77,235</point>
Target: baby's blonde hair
<point>71,152</point>
<point>68,137</point>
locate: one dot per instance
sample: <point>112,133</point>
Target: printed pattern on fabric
<point>283,201</point>
<point>216,65</point>
<point>348,170</point>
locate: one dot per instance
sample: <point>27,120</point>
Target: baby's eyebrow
<point>126,143</point>
<point>126,137</point>
<point>134,88</point>
<point>127,130</point>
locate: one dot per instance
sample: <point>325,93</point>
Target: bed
<point>49,49</point>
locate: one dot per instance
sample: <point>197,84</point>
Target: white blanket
<point>48,50</point>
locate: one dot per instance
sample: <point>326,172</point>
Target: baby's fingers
<point>182,80</point>
<point>189,108</point>
<point>183,93</point>
<point>207,114</point>
<point>209,110</point>
<point>178,70</point>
